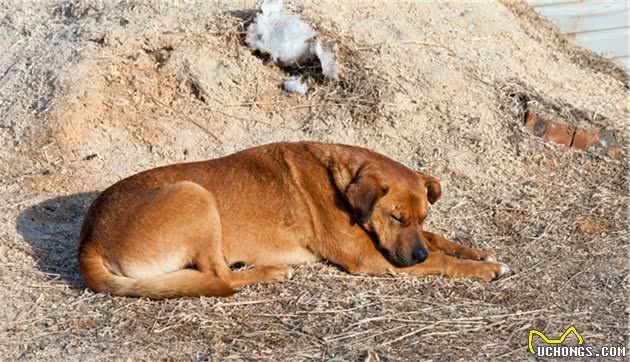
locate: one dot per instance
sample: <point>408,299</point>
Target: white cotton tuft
<point>295,86</point>
<point>326,52</point>
<point>289,40</point>
<point>272,7</point>
<point>284,36</point>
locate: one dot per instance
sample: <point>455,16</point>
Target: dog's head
<point>390,202</point>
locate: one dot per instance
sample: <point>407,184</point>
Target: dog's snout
<point>419,255</point>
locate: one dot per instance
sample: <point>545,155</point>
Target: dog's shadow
<point>52,229</point>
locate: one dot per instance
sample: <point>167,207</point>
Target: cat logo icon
<point>560,340</point>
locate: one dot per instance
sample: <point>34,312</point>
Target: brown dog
<point>175,230</point>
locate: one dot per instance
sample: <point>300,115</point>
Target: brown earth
<point>93,91</point>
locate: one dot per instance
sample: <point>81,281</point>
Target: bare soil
<point>94,91</point>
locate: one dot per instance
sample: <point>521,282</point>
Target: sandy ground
<point>93,91</point>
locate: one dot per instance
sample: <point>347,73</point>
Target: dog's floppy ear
<point>434,190</point>
<point>360,188</point>
<point>362,194</point>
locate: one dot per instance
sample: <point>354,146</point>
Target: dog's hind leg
<point>237,279</point>
<point>259,274</point>
<point>209,256</point>
<point>211,261</point>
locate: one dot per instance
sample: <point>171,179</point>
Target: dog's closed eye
<point>399,219</point>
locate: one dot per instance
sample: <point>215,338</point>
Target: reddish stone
<point>558,132</point>
<point>530,120</point>
<point>583,139</point>
<point>604,141</point>
<point>536,123</point>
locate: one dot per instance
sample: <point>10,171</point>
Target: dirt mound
<point>150,88</point>
<point>441,87</point>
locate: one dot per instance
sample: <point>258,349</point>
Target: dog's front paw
<point>489,271</point>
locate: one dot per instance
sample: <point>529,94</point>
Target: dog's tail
<point>185,282</point>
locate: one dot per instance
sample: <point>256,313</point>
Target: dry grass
<point>558,217</point>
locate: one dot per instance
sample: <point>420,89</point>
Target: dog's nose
<point>419,255</point>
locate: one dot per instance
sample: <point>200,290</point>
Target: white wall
<point>600,25</point>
